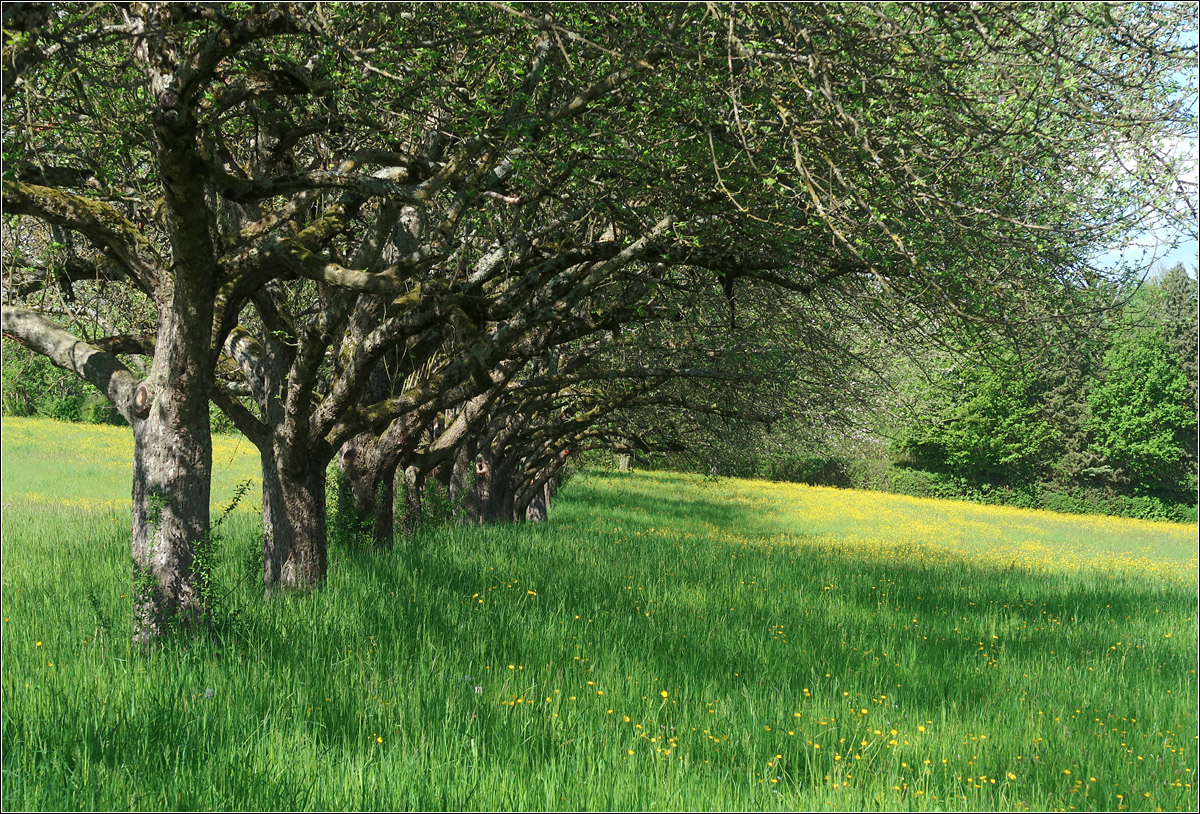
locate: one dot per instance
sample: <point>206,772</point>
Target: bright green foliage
<point>1180,319</point>
<point>1183,337</point>
<point>28,380</point>
<point>1139,411</point>
<point>990,428</point>
<point>1102,420</point>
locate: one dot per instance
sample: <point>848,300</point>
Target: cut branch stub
<point>139,403</point>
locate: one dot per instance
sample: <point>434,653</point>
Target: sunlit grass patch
<point>886,525</point>
<point>50,462</point>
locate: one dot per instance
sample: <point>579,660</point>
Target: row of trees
<point>457,242</point>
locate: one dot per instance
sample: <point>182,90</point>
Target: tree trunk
<point>539,505</point>
<point>383,527</point>
<point>414,483</point>
<point>172,452</point>
<point>534,502</point>
<point>503,504</point>
<point>358,492</point>
<point>294,526</point>
<point>172,462</point>
<point>369,493</point>
<point>478,503</point>
<point>460,476</point>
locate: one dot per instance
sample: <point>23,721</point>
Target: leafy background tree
<point>1142,411</point>
<point>1107,417</point>
<point>1138,411</point>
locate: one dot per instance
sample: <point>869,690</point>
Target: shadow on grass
<point>709,629</point>
<point>703,613</point>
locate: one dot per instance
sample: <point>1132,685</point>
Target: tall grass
<point>665,642</point>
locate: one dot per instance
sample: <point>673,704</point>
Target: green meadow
<point>665,642</point>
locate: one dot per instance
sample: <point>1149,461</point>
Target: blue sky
<point>1155,247</point>
<point>1188,253</point>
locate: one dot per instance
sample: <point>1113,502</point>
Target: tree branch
<point>102,369</point>
<point>103,225</point>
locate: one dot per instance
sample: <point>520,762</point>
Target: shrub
<point>98,410</point>
<point>813,470</point>
<point>922,483</point>
<point>67,408</point>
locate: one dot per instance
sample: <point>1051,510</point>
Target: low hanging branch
<point>100,367</point>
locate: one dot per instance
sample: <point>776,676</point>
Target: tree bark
<point>414,484</point>
<point>173,447</point>
<point>369,491</point>
<point>539,505</point>
<point>172,455</point>
<point>461,473</point>
<point>383,529</point>
<point>356,494</point>
<point>295,514</point>
<point>478,503</point>
<point>502,508</point>
<point>294,525</point>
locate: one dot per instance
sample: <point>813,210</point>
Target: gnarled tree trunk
<point>294,525</point>
<point>172,463</point>
<point>414,485</point>
<point>168,412</point>
<point>368,494</point>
